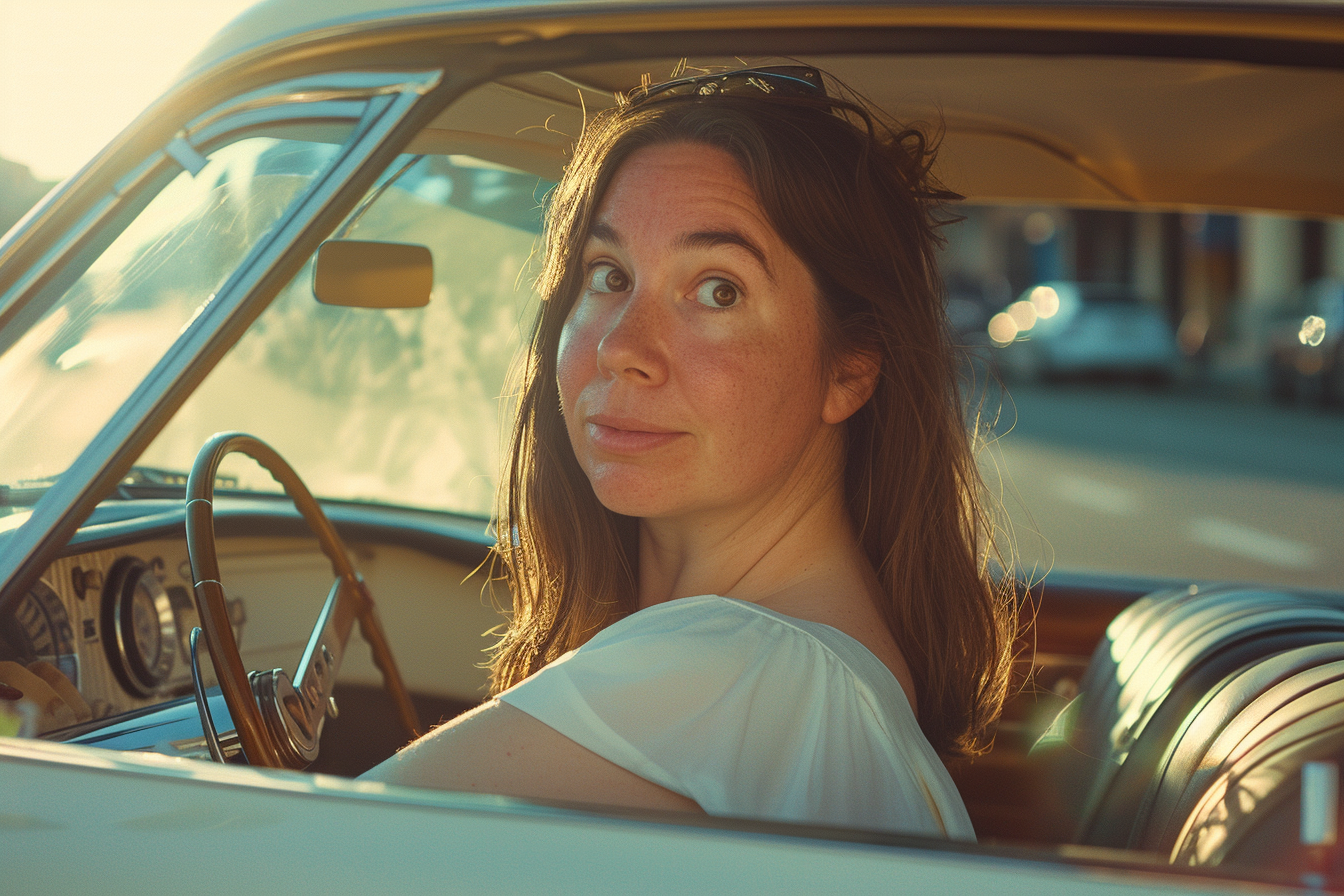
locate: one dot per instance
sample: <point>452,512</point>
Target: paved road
<point>1128,481</point>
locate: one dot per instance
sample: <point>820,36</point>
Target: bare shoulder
<point>496,748</point>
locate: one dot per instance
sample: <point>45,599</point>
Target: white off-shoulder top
<point>750,713</point>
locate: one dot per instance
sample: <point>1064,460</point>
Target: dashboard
<point>114,624</point>
<point>103,636</point>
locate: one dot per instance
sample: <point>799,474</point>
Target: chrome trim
<point>126,578</point>
<point>284,717</point>
<point>198,748</point>
<point>168,728</point>
<point>329,110</point>
<point>300,712</point>
<point>1320,803</point>
<point>211,735</point>
<point>185,154</point>
<point>360,87</point>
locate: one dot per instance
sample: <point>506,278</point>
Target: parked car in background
<point>170,291</point>
<point>1066,329</point>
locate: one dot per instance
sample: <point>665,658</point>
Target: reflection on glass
<point>399,406</point>
<point>64,378</point>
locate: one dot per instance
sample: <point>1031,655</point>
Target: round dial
<point>140,630</point>
<point>40,630</point>
<point>146,627</point>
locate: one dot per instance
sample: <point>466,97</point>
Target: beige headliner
<point>1072,129</point>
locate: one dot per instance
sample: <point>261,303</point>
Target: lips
<point>627,435</point>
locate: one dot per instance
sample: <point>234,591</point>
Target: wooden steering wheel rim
<point>259,743</point>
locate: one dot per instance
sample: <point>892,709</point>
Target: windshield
<point>102,334</point>
<point>401,406</point>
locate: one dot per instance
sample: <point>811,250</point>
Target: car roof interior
<point>1071,130</point>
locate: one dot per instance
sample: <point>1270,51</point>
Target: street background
<point>1191,485</point>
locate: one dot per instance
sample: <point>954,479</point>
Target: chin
<point>633,495</point>
<point>627,504</point>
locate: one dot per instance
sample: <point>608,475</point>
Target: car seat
<point>1247,798</point>
<point>1221,730</point>
<point>1161,658</point>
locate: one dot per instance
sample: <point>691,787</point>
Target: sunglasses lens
<point>786,80</point>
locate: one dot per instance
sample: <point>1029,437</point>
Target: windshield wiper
<point>139,482</point>
<point>156,482</point>
<point>26,492</point>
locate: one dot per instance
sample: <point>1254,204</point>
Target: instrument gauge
<point>40,630</point>
<point>139,627</point>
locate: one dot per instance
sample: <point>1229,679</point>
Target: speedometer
<point>40,630</point>
<point>139,627</point>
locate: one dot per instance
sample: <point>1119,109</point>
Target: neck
<point>792,539</point>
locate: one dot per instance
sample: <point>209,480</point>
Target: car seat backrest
<point>1220,724</point>
<point>1159,660</point>
<point>1219,727</point>
<point>1137,660</point>
<point>1123,799</point>
<point>1246,812</point>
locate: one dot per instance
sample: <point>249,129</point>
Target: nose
<point>632,347</point>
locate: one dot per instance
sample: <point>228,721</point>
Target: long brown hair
<point>852,196</point>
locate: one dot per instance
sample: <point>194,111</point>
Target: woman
<point>742,523</point>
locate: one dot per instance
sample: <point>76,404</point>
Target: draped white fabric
<point>752,714</point>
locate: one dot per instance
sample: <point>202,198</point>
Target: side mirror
<point>363,274</point>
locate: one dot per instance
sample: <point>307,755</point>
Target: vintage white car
<point>324,237</point>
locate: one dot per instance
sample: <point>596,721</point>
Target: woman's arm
<point>497,748</point>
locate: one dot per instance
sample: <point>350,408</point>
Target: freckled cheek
<point>576,360</point>
<point>745,389</point>
<point>768,395</point>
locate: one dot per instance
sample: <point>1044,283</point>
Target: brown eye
<point>718,294</point>
<point>607,278</point>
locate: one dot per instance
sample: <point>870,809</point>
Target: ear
<point>852,384</point>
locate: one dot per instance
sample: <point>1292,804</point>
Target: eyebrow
<point>605,233</point>
<point>699,239</point>
<point>708,239</point>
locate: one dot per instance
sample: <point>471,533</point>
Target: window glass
<point>1173,388</point>
<point>400,406</point>
<point>66,376</point>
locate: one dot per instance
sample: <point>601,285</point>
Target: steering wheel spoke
<point>280,723</point>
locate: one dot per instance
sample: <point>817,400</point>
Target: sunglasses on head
<point>772,80</point>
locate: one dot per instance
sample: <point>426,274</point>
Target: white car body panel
<point>239,830</point>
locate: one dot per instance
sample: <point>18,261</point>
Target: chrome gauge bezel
<point>139,674</point>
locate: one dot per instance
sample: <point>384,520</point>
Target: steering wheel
<point>279,722</point>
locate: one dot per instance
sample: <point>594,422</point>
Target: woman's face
<point>689,366</point>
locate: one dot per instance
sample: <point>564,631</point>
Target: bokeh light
<point>1002,328</point>
<point>1039,228</point>
<point>1046,301</point>
<point>1023,314</point>
<point>1312,331</point>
